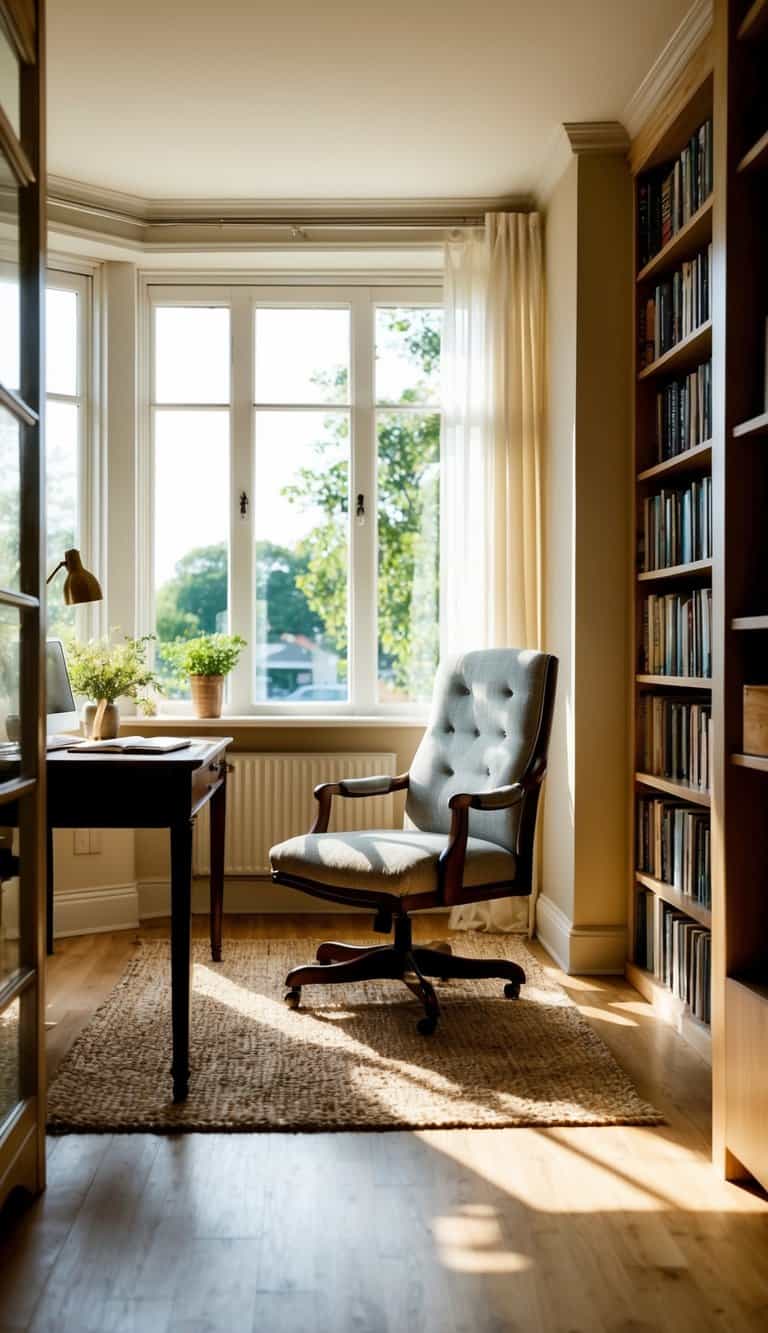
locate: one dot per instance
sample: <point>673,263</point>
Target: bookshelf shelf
<point>758,761</point>
<point>755,426</point>
<point>754,25</point>
<point>675,899</point>
<point>749,622</point>
<point>684,355</point>
<point>675,1011</point>
<point>676,682</point>
<point>683,245</point>
<point>698,459</point>
<point>756,159</point>
<point>682,790</point>
<point>696,569</point>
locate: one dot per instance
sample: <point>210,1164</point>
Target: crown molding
<point>667,67</point>
<point>575,139</point>
<point>78,208</point>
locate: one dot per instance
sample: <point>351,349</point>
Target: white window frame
<point>90,619</point>
<point>242,297</point>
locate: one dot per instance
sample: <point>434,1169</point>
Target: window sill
<point>244,720</point>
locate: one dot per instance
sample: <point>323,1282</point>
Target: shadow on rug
<point>350,1058</point>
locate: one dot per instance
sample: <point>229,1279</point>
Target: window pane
<point>408,355</point>
<point>61,341</point>
<point>301,505</point>
<point>302,356</point>
<point>10,952</point>
<point>62,434</point>
<point>10,488</point>
<point>10,699</point>
<point>10,1059</point>
<point>9,83</point>
<point>408,578</point>
<point>191,529</point>
<point>10,310</point>
<point>192,354</point>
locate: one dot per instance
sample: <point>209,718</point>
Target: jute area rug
<point>349,1058</point>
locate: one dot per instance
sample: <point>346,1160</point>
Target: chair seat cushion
<point>394,861</point>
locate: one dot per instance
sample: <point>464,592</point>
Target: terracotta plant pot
<point>110,721</point>
<point>207,695</point>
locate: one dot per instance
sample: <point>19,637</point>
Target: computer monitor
<point>61,710</point>
<point>60,707</point>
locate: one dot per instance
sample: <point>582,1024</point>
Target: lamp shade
<point>80,585</point>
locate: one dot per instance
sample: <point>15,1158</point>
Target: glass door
<point>22,578</point>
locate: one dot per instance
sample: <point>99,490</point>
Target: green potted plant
<point>104,672</point>
<point>205,660</point>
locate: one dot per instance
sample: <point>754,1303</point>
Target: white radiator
<point>269,798</point>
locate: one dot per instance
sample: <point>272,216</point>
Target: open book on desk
<point>132,745</point>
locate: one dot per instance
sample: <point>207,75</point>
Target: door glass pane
<point>191,529</point>
<point>10,484</point>
<point>192,354</point>
<point>9,83</point>
<point>302,356</point>
<point>10,1059</point>
<point>61,458</point>
<point>408,573</point>
<point>9,902</point>
<point>10,310</point>
<point>408,355</point>
<point>10,627</point>
<point>61,341</point>
<point>301,521</point>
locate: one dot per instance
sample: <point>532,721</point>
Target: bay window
<point>295,451</point>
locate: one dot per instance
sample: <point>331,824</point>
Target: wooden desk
<point>152,791</point>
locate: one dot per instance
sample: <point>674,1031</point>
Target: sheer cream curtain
<point>493,397</point>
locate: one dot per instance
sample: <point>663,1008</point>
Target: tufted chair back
<point>491,718</point>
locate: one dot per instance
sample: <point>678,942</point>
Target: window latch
<point>360,510</point>
<point>243,504</point>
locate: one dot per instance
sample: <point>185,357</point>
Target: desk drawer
<point>206,779</point>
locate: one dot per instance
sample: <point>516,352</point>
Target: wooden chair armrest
<point>451,864</point>
<point>353,788</point>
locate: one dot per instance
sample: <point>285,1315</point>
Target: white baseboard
<point>241,896</point>
<point>596,950</point>
<point>95,910</point>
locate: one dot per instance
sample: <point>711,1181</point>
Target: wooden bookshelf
<point>694,570</point>
<point>652,157</point>
<point>685,354</point>
<point>675,899</point>
<point>684,792</point>
<point>691,238</point>
<point>740,582</point>
<point>755,426</point>
<point>689,463</point>
<point>676,682</point>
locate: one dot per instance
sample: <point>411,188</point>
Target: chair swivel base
<point>401,961</point>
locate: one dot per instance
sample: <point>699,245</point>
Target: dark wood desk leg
<point>218,830</point>
<point>181,959</point>
<point>49,892</point>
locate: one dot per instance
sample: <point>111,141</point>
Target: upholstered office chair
<point>470,818</point>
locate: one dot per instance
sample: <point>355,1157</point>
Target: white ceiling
<point>335,99</point>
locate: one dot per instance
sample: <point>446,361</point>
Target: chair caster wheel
<point>293,997</point>
<point>512,990</point>
<point>426,1026</point>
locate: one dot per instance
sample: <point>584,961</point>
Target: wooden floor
<point>615,1230</point>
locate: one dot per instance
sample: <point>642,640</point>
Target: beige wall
<point>581,913</point>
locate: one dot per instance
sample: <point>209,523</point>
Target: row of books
<point>679,305</point>
<point>645,929</point>
<point>677,526</point>
<point>673,845</point>
<point>675,738</point>
<point>667,199</point>
<point>684,413</point>
<point>677,634</point>
<point>686,960</point>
